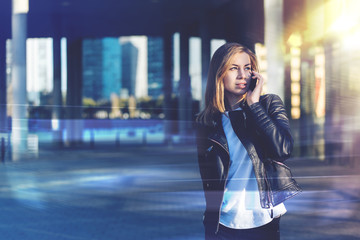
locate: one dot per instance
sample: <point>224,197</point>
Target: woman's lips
<point>241,85</point>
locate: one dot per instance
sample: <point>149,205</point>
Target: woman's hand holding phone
<point>255,88</point>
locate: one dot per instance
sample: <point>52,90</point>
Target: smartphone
<point>253,82</point>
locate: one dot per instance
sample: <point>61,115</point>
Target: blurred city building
<point>322,60</point>
<point>129,64</point>
<point>134,65</point>
<point>308,52</point>
<point>93,68</point>
<point>101,68</point>
<point>155,66</point>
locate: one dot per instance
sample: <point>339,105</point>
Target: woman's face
<point>237,77</point>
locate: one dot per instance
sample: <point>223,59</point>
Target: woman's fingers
<point>254,95</point>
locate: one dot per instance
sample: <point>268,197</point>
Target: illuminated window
<point>260,51</point>
<point>295,88</point>
<point>295,63</point>
<point>295,112</point>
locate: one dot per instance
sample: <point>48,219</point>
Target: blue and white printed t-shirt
<point>241,207</point>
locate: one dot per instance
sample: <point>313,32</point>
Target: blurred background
<point>76,72</point>
<point>89,80</point>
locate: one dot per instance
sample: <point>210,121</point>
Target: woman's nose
<point>241,74</point>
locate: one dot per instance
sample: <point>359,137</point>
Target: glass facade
<point>101,68</point>
<point>155,66</point>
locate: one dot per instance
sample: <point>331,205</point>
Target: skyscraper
<point>111,67</point>
<point>155,66</point>
<point>92,68</point>
<point>101,68</point>
<point>134,62</point>
<point>129,64</point>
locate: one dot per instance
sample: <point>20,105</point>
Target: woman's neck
<point>233,101</point>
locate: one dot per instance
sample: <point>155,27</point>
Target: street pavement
<point>154,192</point>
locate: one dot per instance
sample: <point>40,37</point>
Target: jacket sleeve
<point>273,127</point>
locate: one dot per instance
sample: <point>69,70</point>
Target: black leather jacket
<point>268,141</point>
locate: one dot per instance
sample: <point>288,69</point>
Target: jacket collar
<point>218,135</point>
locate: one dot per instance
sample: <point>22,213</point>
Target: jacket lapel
<point>218,135</point>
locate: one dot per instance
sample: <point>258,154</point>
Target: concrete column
<point>274,46</point>
<point>57,97</point>
<point>333,122</point>
<point>307,127</point>
<point>19,108</point>
<point>205,59</point>
<point>168,85</point>
<point>185,99</point>
<point>3,88</point>
<point>74,124</point>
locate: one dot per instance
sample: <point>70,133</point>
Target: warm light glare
<point>263,65</point>
<point>319,73</point>
<point>352,41</point>
<point>295,63</point>
<point>295,100</point>
<point>295,75</point>
<point>260,51</point>
<point>265,77</point>
<point>295,40</point>
<point>294,51</point>
<point>320,91</point>
<point>295,113</point>
<point>295,88</point>
<point>319,59</point>
<point>344,24</point>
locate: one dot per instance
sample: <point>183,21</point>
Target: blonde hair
<point>215,101</point>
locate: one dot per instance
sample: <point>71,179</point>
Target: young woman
<point>242,138</point>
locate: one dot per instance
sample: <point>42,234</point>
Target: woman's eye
<point>233,68</point>
<point>248,68</point>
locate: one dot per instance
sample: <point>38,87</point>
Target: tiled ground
<point>153,193</point>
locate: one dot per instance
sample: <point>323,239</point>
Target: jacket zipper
<point>268,196</point>
<point>220,145</point>
<point>226,177</point>
<point>244,119</point>
<point>266,180</point>
<point>268,192</point>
